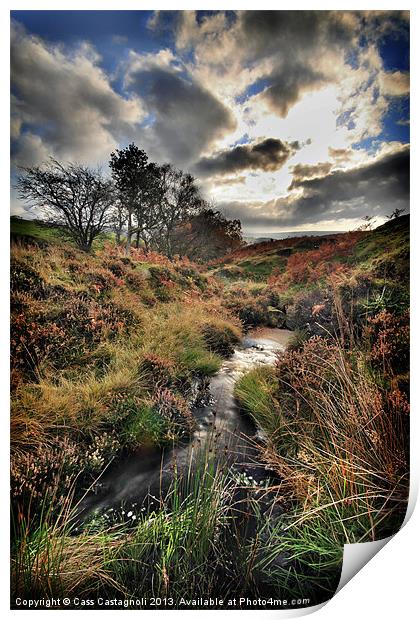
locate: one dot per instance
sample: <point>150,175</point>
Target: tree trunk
<point>129,233</point>
<point>138,239</point>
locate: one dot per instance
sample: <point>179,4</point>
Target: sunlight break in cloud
<point>285,117</point>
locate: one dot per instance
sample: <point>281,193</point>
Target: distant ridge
<point>260,237</point>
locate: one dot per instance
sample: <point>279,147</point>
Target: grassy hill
<point>106,344</point>
<point>110,353</point>
<point>257,262</point>
<point>296,282</point>
<point>37,231</point>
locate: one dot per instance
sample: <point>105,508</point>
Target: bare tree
<point>395,214</point>
<point>178,200</point>
<point>369,222</point>
<point>72,195</point>
<point>207,235</point>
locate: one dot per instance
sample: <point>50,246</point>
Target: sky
<point>289,120</point>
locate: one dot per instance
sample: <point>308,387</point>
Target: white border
<point>387,586</point>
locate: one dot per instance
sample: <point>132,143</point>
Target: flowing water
<point>221,428</point>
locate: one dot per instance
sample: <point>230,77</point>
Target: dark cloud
<point>269,32</point>
<point>63,103</point>
<point>306,46</point>
<point>268,155</point>
<point>294,39</point>
<point>294,51</point>
<point>308,171</point>
<point>187,117</point>
<point>376,188</point>
<point>379,184</point>
<point>289,83</point>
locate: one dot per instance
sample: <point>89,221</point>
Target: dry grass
<point>49,562</point>
<point>333,439</point>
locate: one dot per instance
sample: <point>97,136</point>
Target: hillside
<point>291,283</point>
<point>92,335</point>
<point>259,261</point>
<point>112,357</point>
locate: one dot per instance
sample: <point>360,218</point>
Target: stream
<point>221,428</point>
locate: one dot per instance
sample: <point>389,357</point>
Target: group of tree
<point>156,207</point>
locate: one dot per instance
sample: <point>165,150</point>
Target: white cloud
<point>64,104</point>
<point>225,82</point>
<point>394,84</point>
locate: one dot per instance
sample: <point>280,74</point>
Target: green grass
<point>392,234</point>
<point>34,229</point>
<point>38,231</point>
<point>255,392</point>
<point>259,268</point>
<point>175,551</point>
<point>193,543</point>
<point>311,549</point>
<point>144,425</point>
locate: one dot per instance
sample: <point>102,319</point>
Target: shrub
<point>46,476</point>
<point>333,435</point>
<point>312,311</point>
<point>256,305</point>
<point>389,339</point>
<point>25,278</point>
<point>159,370</point>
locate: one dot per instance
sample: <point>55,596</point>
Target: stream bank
<point>223,432</point>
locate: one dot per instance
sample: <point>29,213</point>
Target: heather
<point>334,410</point>
<point>112,354</point>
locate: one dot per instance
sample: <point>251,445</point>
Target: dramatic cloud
<point>187,118</point>
<point>279,48</point>
<point>287,118</point>
<point>63,104</point>
<point>293,39</point>
<point>395,84</point>
<point>374,189</point>
<point>340,155</point>
<point>307,171</point>
<point>268,155</point>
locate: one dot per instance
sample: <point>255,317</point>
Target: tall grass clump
<point>176,550</point>
<point>339,446</point>
<point>181,545</point>
<point>48,561</point>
